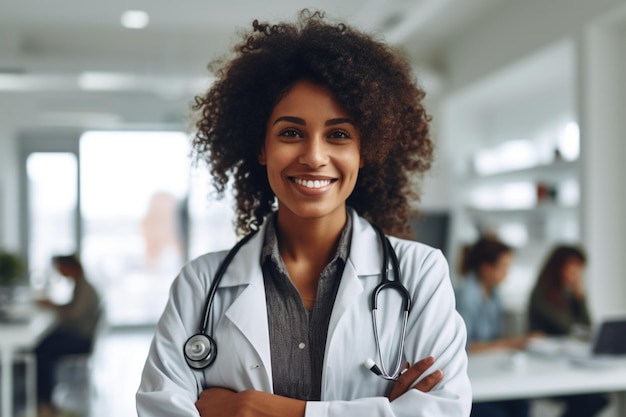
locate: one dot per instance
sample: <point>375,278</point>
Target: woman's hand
<point>222,402</point>
<point>410,374</point>
<point>45,303</point>
<point>215,402</point>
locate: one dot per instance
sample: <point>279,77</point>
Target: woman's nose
<point>314,152</point>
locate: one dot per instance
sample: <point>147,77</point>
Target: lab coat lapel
<point>248,312</point>
<point>349,288</point>
<point>364,260</point>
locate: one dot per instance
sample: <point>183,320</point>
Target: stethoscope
<point>200,350</point>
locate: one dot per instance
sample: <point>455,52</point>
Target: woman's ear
<point>262,156</point>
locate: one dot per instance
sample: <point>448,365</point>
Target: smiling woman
<point>305,122</point>
<point>370,82</point>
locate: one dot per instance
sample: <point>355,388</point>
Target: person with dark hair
<point>485,265</point>
<point>557,301</point>
<point>321,132</point>
<point>557,305</point>
<point>75,332</point>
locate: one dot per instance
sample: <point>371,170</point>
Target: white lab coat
<point>169,387</point>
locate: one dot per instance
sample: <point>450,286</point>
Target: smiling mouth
<point>313,184</point>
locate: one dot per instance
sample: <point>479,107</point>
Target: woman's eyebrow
<point>291,119</point>
<point>339,121</point>
<point>302,122</point>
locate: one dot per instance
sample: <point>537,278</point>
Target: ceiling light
<point>79,118</point>
<point>35,82</point>
<point>104,81</point>
<point>135,19</point>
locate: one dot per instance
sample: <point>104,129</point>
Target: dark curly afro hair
<point>370,80</point>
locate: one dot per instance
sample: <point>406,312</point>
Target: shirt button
<point>301,345</point>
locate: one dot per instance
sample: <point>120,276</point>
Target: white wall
<point>516,30</point>
<point>10,111</point>
<point>602,110</point>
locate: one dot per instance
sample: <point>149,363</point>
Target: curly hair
<point>369,80</point>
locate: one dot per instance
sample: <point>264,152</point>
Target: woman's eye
<point>339,134</point>
<point>290,133</point>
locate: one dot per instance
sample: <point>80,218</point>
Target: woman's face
<point>572,273</point>
<point>494,274</point>
<point>312,153</point>
<point>66,270</point>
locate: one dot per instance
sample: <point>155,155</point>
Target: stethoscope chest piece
<point>200,351</point>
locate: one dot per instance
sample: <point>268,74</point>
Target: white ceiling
<point>46,45</point>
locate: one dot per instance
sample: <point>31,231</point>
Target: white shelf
<point>511,105</point>
<point>554,172</point>
<point>541,210</point>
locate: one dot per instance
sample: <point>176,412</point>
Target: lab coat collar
<point>365,251</point>
<point>361,262</point>
<point>246,268</point>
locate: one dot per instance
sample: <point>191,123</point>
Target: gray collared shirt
<point>297,335</point>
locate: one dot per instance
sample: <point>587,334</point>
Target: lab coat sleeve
<point>435,328</point>
<point>168,385</point>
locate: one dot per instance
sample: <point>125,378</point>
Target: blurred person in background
<point>484,266</point>
<point>74,334</point>
<point>557,307</point>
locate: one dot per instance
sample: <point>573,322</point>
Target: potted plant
<point>12,272</point>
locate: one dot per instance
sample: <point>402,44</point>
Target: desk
<point>15,336</point>
<point>507,375</point>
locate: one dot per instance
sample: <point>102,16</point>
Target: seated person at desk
<point>74,333</point>
<point>557,305</point>
<point>484,267</point>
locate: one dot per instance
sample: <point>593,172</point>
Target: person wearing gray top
<point>77,321</point>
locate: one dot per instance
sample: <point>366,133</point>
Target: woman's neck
<point>309,238</point>
<point>306,247</point>
<point>487,289</point>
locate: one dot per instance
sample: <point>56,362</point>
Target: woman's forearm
<point>221,402</point>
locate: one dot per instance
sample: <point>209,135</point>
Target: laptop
<point>606,347</point>
<point>610,339</point>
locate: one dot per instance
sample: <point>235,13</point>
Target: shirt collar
<point>270,244</point>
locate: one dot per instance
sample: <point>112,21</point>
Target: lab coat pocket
<point>237,365</point>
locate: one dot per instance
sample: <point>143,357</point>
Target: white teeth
<point>311,183</point>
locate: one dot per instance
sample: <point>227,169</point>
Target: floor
<point>116,373</point>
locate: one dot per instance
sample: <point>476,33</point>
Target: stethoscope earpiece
<point>200,351</point>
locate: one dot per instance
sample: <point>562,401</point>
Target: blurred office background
<point>528,107</point>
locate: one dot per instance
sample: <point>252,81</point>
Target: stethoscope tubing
<point>383,369</point>
<point>385,284</point>
<point>203,342</point>
<point>204,326</point>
